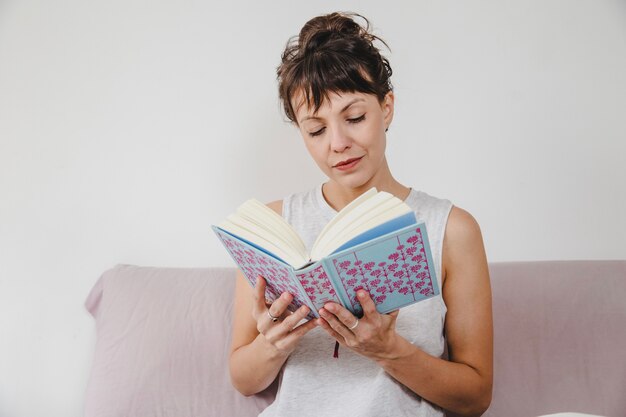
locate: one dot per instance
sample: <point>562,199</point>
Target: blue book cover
<point>392,262</point>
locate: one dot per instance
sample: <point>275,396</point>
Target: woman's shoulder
<point>463,241</point>
<point>277,206</point>
<point>461,224</point>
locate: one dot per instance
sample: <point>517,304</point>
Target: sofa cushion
<point>559,338</point>
<point>162,345</point>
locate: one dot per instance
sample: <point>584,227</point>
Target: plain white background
<point>128,127</point>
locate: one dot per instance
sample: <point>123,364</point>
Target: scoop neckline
<point>332,211</point>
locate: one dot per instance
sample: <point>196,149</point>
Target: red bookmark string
<point>336,354</point>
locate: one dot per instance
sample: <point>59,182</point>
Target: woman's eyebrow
<point>342,110</point>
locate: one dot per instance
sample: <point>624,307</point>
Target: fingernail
<point>361,294</point>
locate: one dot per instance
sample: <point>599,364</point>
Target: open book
<point>374,243</point>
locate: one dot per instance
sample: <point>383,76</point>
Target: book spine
<point>341,288</point>
<point>318,285</point>
<point>303,298</point>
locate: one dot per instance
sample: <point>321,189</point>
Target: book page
<point>274,224</point>
<point>364,213</point>
<point>381,200</point>
<point>252,233</point>
<point>362,225</point>
<point>342,213</point>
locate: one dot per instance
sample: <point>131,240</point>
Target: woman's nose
<point>339,139</point>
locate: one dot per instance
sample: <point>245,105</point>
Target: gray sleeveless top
<point>312,382</point>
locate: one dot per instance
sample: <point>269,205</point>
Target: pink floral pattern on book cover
<point>395,272</point>
<point>318,286</point>
<point>253,263</point>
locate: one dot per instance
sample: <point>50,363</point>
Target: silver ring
<point>354,326</point>
<point>274,319</point>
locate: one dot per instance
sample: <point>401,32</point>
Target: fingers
<point>368,305</point>
<point>284,335</point>
<point>259,294</point>
<point>345,327</point>
<point>289,324</point>
<point>338,318</point>
<point>277,308</point>
<point>293,319</point>
<point>345,317</point>
<point>323,323</point>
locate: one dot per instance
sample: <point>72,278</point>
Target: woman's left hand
<point>373,335</point>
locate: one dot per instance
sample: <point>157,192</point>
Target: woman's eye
<point>317,132</point>
<point>357,119</point>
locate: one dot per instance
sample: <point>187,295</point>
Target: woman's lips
<point>349,165</point>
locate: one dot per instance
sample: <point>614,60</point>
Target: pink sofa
<point>163,335</point>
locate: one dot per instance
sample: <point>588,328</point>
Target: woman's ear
<point>387,107</point>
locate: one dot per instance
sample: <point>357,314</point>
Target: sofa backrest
<point>559,338</point>
<point>162,345</point>
<point>163,337</point>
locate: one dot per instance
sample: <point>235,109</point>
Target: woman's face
<point>347,126</point>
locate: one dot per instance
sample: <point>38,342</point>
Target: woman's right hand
<point>281,335</point>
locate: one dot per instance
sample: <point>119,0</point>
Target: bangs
<point>319,75</point>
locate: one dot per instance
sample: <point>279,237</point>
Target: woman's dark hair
<point>332,53</point>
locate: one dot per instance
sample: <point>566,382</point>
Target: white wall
<point>128,127</point>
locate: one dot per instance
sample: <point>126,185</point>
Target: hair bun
<point>317,31</point>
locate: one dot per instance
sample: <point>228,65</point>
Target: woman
<point>335,88</point>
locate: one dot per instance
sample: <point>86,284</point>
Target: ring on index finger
<point>274,319</point>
